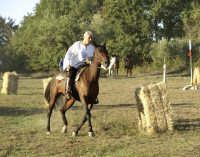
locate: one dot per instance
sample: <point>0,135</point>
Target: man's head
<point>87,37</point>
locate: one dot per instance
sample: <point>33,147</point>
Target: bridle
<point>98,67</point>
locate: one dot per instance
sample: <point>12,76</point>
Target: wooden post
<point>191,66</point>
<point>164,72</point>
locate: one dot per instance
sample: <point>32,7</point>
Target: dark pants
<point>72,76</point>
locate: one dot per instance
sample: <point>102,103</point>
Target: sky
<point>17,9</point>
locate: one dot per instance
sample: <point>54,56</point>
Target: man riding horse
<point>77,56</point>
<point>85,89</point>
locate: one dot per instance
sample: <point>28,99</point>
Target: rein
<point>99,67</point>
<point>90,63</point>
<point>94,65</point>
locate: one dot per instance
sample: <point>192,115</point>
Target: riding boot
<point>70,82</point>
<point>68,94</point>
<point>68,89</point>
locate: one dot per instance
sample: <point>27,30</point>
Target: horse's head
<point>128,61</point>
<point>101,56</point>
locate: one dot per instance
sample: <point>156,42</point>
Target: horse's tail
<point>47,92</point>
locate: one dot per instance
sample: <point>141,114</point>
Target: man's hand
<point>88,61</point>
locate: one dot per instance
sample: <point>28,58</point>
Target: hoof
<point>64,129</point>
<point>74,134</point>
<point>91,134</point>
<point>48,132</point>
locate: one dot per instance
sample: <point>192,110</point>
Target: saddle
<point>65,73</point>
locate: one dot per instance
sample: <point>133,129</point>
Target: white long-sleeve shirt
<point>77,53</point>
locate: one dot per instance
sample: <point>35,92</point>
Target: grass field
<point>23,122</point>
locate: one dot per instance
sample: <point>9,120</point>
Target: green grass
<point>23,122</point>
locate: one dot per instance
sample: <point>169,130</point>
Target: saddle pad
<point>60,77</point>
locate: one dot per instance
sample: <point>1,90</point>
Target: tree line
<point>148,29</point>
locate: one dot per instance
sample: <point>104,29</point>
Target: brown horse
<point>117,65</point>
<point>128,64</point>
<point>86,90</point>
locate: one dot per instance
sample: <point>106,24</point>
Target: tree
<point>46,35</point>
<point>191,19</point>
<point>166,18</point>
<point>126,26</point>
<point>130,25</point>
<point>8,56</point>
<point>6,30</point>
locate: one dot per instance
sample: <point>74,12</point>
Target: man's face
<point>88,38</point>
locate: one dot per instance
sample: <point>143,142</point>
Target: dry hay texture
<point>196,75</point>
<point>10,83</point>
<point>45,82</point>
<point>155,114</point>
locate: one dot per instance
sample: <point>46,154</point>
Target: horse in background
<point>128,64</point>
<point>85,90</point>
<point>114,66</point>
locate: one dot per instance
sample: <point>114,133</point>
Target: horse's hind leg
<point>131,71</point>
<point>67,105</point>
<point>51,105</point>
<point>86,117</point>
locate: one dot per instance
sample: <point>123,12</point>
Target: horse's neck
<point>112,62</point>
<point>93,71</point>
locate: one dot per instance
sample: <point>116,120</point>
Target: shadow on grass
<point>31,93</point>
<point>187,124</point>
<point>100,107</point>
<point>17,111</point>
<point>184,105</point>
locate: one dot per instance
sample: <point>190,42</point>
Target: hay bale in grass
<point>10,83</point>
<point>196,75</point>
<point>155,115</point>
<point>45,83</point>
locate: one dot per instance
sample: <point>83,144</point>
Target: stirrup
<point>68,95</point>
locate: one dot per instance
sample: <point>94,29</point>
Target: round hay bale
<point>196,75</point>
<point>10,83</point>
<point>154,108</point>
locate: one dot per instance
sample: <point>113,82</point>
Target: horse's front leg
<point>63,110</point>
<point>131,69</point>
<point>51,106</point>
<point>86,117</point>
<point>109,72</point>
<point>127,72</point>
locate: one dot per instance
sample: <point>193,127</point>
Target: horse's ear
<point>95,44</point>
<point>104,44</point>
